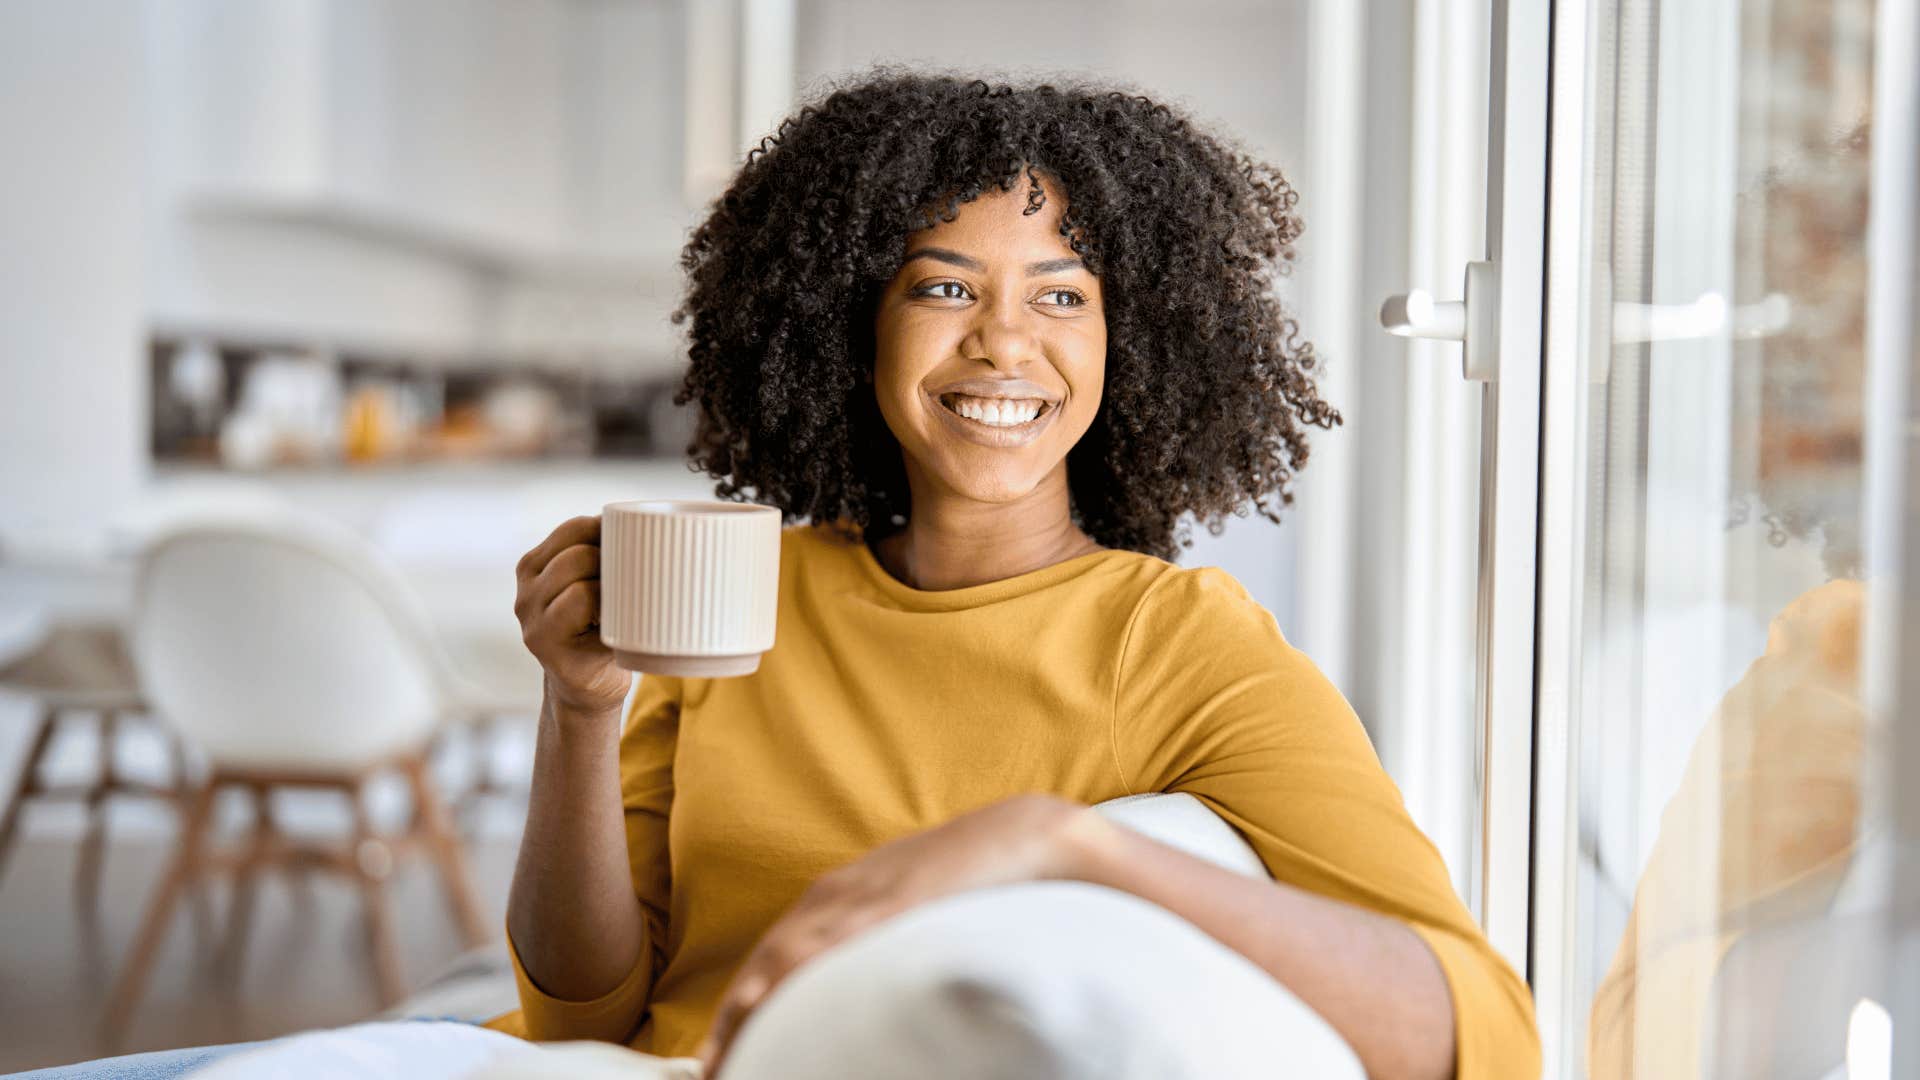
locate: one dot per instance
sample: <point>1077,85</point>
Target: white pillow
<point>1183,821</point>
<point>1045,979</point>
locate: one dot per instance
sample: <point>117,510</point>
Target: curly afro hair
<point>1208,385</point>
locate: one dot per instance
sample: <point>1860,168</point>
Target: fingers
<point>579,530</point>
<point>572,613</point>
<point>557,600</point>
<point>779,954</point>
<point>738,1003</point>
<point>577,563</point>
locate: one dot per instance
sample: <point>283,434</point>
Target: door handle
<point>1706,317</point>
<point>1474,321</point>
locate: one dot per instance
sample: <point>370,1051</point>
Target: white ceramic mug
<point>689,587</point>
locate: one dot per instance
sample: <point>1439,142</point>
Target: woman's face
<point>990,349</point>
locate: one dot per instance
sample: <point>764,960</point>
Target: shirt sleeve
<point>1212,700</point>
<point>649,735</point>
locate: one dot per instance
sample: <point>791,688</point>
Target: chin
<point>989,489</point>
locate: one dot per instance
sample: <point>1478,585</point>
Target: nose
<point>1001,335</point>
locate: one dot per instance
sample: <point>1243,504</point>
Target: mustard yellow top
<point>884,710</point>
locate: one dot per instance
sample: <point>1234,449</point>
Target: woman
<point>984,346</point>
<point>992,343</point>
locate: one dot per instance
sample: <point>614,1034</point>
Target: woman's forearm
<point>1367,975</point>
<point>572,912</point>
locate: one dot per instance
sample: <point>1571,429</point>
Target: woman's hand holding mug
<point>557,600</point>
<point>690,590</point>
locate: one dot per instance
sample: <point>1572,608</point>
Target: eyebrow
<point>968,262</point>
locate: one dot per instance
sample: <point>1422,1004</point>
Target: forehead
<point>998,219</point>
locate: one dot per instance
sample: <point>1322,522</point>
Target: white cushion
<point>1045,979</point>
<point>1180,820</point>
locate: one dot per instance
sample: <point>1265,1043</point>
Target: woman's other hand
<point>557,601</point>
<point>1024,838</point>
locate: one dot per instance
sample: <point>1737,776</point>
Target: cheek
<point>895,344</point>
<point>895,390</point>
<point>1088,379</point>
<point>1091,399</point>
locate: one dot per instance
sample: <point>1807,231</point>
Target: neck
<point>952,542</point>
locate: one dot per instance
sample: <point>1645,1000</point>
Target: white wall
<point>449,174</point>
<point>240,100</point>
<point>626,135</point>
<point>72,220</point>
<point>1239,63</point>
<point>451,108</point>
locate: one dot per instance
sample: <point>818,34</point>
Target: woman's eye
<point>1074,299</point>
<point>932,290</point>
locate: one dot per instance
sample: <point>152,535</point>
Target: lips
<point>990,387</point>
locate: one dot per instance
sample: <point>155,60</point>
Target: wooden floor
<point>305,963</point>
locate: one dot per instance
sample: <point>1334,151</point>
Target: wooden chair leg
<point>465,805</point>
<point>182,874</point>
<point>28,783</point>
<point>373,862</point>
<point>448,854</point>
<point>246,878</point>
<point>177,753</point>
<point>203,928</point>
<point>86,871</point>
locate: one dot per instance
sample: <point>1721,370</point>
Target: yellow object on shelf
<point>368,430</point>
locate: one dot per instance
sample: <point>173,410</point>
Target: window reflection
<point>1732,814</point>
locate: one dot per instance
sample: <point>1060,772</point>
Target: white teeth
<point>997,412</point>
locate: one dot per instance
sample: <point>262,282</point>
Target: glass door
<point>1699,580</point>
<point>1722,441</point>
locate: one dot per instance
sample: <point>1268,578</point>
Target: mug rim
<point>662,507</point>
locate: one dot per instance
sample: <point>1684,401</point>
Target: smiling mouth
<point>997,417</point>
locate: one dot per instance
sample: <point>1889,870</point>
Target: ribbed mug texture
<point>689,578</point>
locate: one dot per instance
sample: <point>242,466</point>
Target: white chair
<point>285,652</point>
<point>454,543</point>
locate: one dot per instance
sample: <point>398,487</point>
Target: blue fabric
<point>158,1064</point>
